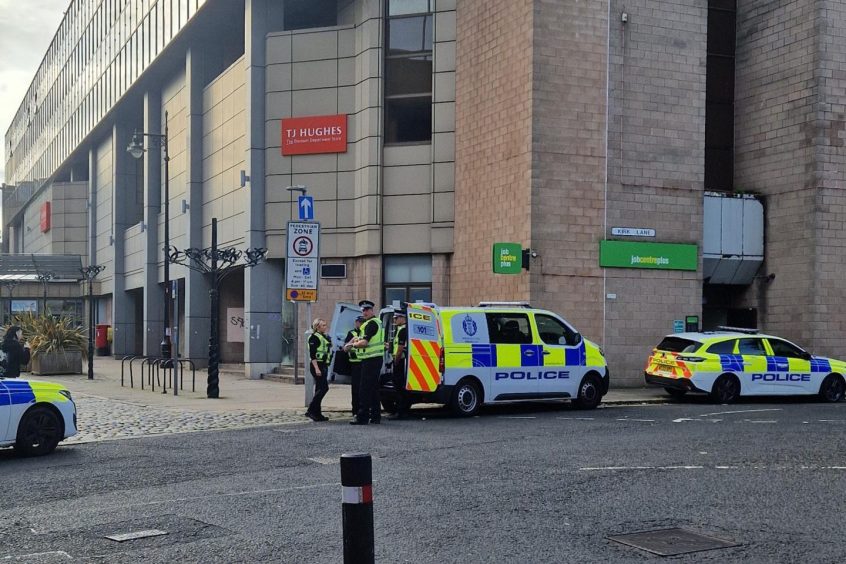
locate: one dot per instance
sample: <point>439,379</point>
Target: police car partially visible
<point>35,416</point>
<point>731,363</point>
<point>466,357</point>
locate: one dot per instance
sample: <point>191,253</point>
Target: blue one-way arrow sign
<point>306,206</point>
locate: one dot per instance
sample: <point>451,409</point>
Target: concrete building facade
<point>581,130</point>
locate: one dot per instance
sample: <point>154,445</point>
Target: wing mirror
<point>806,355</point>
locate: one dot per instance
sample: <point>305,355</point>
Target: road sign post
<point>301,271</point>
<point>305,205</point>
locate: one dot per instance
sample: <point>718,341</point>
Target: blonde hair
<point>314,324</point>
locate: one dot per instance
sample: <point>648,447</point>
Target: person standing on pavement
<point>16,353</point>
<point>355,362</point>
<point>398,353</point>
<point>370,349</point>
<point>319,353</point>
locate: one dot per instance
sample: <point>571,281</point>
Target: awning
<point>36,268</point>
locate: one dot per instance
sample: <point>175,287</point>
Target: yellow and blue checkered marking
<point>577,356</point>
<point>820,365</point>
<point>484,356</point>
<point>778,364</point>
<point>733,362</point>
<point>19,392</point>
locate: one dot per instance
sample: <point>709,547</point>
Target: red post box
<point>101,340</point>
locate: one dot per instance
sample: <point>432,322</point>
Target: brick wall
<point>493,145</point>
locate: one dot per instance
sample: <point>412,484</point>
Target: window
<point>553,332</point>
<point>677,344</point>
<point>753,347</point>
<point>789,350</point>
<point>304,14</point>
<point>725,347</point>
<point>509,328</point>
<point>408,72</point>
<point>408,278</point>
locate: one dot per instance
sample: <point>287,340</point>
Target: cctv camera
<point>534,254</point>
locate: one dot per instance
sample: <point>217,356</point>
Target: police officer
<point>370,349</point>
<point>398,353</point>
<point>319,351</point>
<point>355,363</point>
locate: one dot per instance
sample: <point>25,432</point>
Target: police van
<point>466,357</point>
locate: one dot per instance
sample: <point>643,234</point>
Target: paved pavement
<point>109,410</point>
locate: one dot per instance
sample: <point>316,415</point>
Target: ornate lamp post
<point>44,278</point>
<point>136,149</point>
<point>89,273</point>
<point>218,263</point>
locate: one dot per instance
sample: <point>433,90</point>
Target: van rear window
<point>677,344</point>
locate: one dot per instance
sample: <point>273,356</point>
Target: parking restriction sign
<point>303,261</point>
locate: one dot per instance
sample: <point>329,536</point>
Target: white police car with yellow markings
<point>731,363</point>
<point>35,416</point>
<point>467,357</point>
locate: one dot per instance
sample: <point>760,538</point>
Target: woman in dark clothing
<point>17,354</point>
<point>319,352</point>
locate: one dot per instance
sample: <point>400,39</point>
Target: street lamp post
<point>44,278</point>
<point>10,284</point>
<point>219,263</point>
<point>136,149</point>
<point>89,273</point>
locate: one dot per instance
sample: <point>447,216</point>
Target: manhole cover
<point>671,542</point>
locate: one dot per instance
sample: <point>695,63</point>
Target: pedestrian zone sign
<point>302,263</point>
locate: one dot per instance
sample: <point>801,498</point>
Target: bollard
<point>357,506</point>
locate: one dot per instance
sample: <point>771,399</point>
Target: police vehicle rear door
<point>515,372</point>
<point>425,343</point>
<point>563,356</point>
<point>343,320</point>
<point>755,379</point>
<point>4,412</point>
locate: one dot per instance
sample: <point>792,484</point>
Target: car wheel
<point>466,398</point>
<point>389,405</point>
<point>726,389</point>
<point>39,432</point>
<point>590,392</point>
<point>675,392</point>
<point>833,388</point>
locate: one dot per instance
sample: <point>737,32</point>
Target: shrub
<point>48,334</point>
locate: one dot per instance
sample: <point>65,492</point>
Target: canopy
<point>37,267</point>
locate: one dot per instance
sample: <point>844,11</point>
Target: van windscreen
<point>677,344</point>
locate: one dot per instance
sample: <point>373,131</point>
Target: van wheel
<point>590,392</point>
<point>39,432</point>
<point>726,389</point>
<point>675,392</point>
<point>833,388</point>
<point>466,398</point>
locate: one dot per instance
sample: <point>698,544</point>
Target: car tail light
<point>684,358</point>
<point>441,363</point>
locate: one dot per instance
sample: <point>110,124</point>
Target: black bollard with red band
<point>357,504</point>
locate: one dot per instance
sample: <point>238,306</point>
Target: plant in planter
<point>56,345</point>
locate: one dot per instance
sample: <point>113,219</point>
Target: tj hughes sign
<point>314,135</point>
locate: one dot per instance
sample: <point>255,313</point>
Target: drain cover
<point>123,537</point>
<point>671,542</point>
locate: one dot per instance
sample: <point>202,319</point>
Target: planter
<point>68,362</point>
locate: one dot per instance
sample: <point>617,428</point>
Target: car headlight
<point>66,393</point>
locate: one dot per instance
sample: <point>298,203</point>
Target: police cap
<point>364,304</point>
<point>360,318</point>
<point>399,313</point>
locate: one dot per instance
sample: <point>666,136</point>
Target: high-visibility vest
<point>322,354</point>
<point>376,345</point>
<point>396,341</point>
<point>353,352</point>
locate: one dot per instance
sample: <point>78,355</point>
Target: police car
<point>466,357</point>
<point>731,363</point>
<point>35,416</point>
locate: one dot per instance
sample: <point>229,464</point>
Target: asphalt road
<point>528,484</point>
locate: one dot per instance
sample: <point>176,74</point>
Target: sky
<point>26,30</point>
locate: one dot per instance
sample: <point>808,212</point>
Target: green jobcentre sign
<point>661,256</point>
<point>507,258</point>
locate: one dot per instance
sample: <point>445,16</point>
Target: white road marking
<point>517,417</point>
<point>325,460</point>
<point>642,468</point>
<point>717,467</point>
<point>680,419</point>
<point>739,411</point>
<point>37,554</point>
<point>760,420</point>
<point>641,420</point>
<point>233,494</point>
<point>576,418</point>
<point>830,421</point>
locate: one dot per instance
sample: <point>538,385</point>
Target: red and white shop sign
<point>314,135</point>
<point>45,217</point>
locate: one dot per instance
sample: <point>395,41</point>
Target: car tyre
<point>726,389</point>
<point>389,405</point>
<point>833,388</point>
<point>39,432</point>
<point>590,392</point>
<point>466,398</point>
<point>675,392</point>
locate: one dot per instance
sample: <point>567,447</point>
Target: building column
<point>153,255</point>
<point>123,311</point>
<point>263,284</point>
<point>197,313</point>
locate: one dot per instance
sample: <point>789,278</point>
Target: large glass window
<point>304,14</point>
<point>553,332</point>
<point>408,278</point>
<point>408,72</point>
<point>509,328</point>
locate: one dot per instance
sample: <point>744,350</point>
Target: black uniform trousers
<point>369,406</point>
<point>399,386</point>
<point>355,384</point>
<point>321,387</point>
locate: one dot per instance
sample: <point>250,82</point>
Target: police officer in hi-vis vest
<point>370,350</point>
<point>320,356</point>
<point>398,353</point>
<point>355,362</point>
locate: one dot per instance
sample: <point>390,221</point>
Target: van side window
<point>724,347</point>
<point>754,347</point>
<point>509,328</point>
<point>551,331</point>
